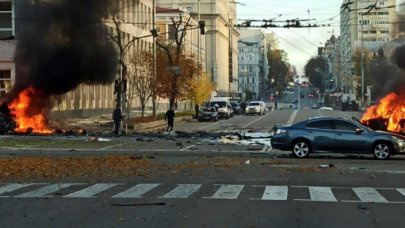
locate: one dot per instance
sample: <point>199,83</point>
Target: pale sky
<point>300,43</point>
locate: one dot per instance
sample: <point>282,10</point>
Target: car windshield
<point>234,104</point>
<point>254,104</point>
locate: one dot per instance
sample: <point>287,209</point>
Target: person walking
<point>117,117</point>
<point>169,117</point>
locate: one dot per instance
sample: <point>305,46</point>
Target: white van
<point>224,106</point>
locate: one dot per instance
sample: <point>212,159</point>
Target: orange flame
<point>19,108</point>
<point>390,108</point>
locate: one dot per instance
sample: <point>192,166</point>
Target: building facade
<point>221,40</point>
<point>253,73</point>
<point>135,17</point>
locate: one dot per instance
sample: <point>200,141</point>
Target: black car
<point>207,114</point>
<point>333,134</point>
<point>236,108</point>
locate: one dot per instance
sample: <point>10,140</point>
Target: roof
<point>168,10</point>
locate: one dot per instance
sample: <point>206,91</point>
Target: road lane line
<point>369,195</point>
<point>227,192</point>
<point>322,194</point>
<point>189,147</point>
<point>254,121</point>
<point>275,193</point>
<point>89,192</point>
<point>137,191</point>
<point>112,146</point>
<point>44,191</point>
<point>182,191</point>
<point>207,126</point>
<point>264,150</point>
<point>11,188</point>
<point>292,117</point>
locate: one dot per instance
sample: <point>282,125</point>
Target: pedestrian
<point>197,110</point>
<point>275,105</point>
<point>117,117</point>
<point>243,107</point>
<point>169,117</point>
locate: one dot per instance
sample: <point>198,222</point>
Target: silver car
<point>256,107</point>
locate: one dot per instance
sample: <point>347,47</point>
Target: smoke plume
<point>61,44</point>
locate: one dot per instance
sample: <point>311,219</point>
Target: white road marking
<point>12,188</point>
<point>275,193</point>
<point>182,191</point>
<point>322,194</point>
<point>112,146</point>
<point>137,191</point>
<point>254,121</point>
<point>292,117</point>
<point>369,195</point>
<point>91,191</point>
<point>207,126</point>
<point>227,192</point>
<point>44,191</point>
<point>189,147</point>
<point>401,190</point>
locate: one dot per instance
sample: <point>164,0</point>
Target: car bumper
<point>252,111</point>
<point>399,147</point>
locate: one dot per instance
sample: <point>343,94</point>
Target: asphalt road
<point>197,181</point>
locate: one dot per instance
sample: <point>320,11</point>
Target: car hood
<point>388,134</point>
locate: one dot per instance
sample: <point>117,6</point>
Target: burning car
<point>387,115</point>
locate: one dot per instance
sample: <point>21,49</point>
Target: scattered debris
<point>103,140</point>
<point>327,166</point>
<point>247,162</point>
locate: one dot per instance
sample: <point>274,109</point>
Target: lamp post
<point>362,60</point>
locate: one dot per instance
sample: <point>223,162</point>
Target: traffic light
<point>202,27</point>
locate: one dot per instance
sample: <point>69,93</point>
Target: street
<point>196,180</point>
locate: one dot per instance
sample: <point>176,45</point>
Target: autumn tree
<point>140,79</point>
<point>175,68</point>
<point>357,60</point>
<point>200,89</point>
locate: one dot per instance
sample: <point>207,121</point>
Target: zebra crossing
<point>204,191</point>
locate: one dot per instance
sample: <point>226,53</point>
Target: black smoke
<point>61,44</point>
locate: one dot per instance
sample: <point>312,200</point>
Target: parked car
<point>236,108</point>
<point>334,134</point>
<point>325,108</point>
<point>314,106</point>
<point>207,114</point>
<point>256,107</point>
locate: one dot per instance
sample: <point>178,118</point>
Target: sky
<point>300,43</point>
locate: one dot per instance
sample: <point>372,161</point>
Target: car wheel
<point>301,149</point>
<point>382,150</point>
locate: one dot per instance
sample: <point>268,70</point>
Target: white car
<point>256,107</point>
<point>325,108</point>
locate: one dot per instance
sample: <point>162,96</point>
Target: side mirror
<point>358,131</point>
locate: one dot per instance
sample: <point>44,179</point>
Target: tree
<point>175,68</point>
<point>140,79</point>
<point>279,68</point>
<point>367,58</point>
<point>201,89</point>
<point>312,71</point>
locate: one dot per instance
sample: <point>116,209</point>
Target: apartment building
<point>253,73</point>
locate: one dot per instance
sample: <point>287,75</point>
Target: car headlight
<point>279,131</point>
<point>399,140</point>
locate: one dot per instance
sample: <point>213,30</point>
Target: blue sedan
<point>334,134</point>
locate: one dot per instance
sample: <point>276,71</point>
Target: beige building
<point>194,42</point>
<point>221,40</point>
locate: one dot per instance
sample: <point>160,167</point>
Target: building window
<point>250,68</point>
<point>5,82</point>
<point>6,23</point>
<point>172,32</point>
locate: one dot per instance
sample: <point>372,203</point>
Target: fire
<point>21,106</point>
<point>391,108</point>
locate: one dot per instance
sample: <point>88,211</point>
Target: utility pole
<point>154,56</point>
<point>362,60</point>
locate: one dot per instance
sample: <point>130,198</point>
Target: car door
<point>347,140</point>
<point>321,135</point>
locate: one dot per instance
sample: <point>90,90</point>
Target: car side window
<point>320,124</point>
<point>344,126</point>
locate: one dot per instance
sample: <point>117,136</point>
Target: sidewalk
<point>104,124</point>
